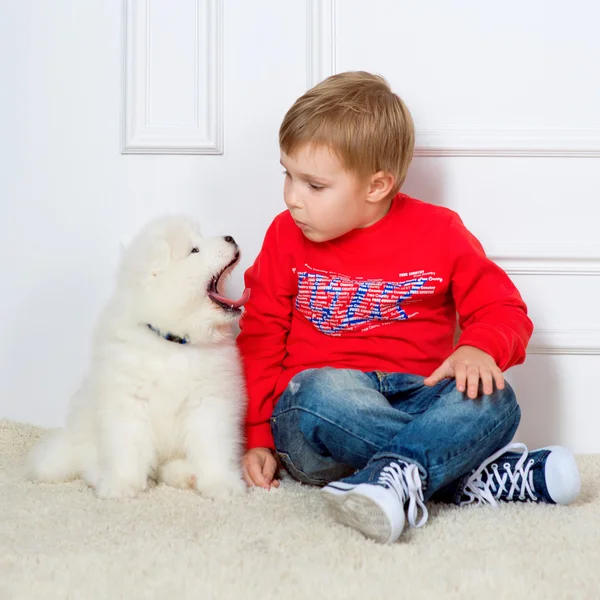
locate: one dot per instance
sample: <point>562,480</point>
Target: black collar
<point>170,337</point>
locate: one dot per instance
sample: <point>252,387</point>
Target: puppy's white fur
<point>150,407</point>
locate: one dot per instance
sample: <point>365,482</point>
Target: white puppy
<point>164,395</point>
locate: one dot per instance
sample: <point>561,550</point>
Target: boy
<point>347,340</point>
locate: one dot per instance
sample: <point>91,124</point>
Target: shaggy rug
<point>59,541</point>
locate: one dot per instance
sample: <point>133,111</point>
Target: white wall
<point>505,100</point>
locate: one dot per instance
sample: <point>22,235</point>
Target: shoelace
<point>404,479</point>
<point>485,486</point>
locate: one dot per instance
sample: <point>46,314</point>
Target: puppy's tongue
<point>233,303</point>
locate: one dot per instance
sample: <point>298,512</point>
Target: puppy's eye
<point>194,250</point>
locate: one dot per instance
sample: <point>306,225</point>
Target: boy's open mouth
<point>221,300</point>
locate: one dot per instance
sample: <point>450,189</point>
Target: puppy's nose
<point>229,239</point>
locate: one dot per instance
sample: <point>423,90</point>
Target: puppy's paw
<point>112,488</point>
<point>224,487</point>
<point>178,473</point>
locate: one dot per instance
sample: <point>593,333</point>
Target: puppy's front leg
<point>213,447</point>
<point>126,455</point>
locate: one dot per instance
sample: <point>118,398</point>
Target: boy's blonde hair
<point>359,118</point>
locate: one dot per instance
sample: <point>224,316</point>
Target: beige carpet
<point>58,541</point>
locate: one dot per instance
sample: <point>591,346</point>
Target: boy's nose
<point>291,200</point>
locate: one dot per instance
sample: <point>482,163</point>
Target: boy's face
<point>324,199</point>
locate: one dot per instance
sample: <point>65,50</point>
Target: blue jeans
<point>330,422</point>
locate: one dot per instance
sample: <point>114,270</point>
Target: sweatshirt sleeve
<point>491,313</point>
<point>264,327</point>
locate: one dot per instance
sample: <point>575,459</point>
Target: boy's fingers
<point>255,472</point>
<point>277,461</point>
<point>498,378</point>
<point>461,378</point>
<point>246,474</point>
<point>270,468</point>
<point>437,375</point>
<point>473,379</point>
<point>487,382</point>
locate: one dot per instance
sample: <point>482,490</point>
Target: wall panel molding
<point>581,260</point>
<point>194,130</point>
<point>565,341</point>
<point>448,141</point>
<point>320,41</point>
<point>542,259</point>
<point>470,141</point>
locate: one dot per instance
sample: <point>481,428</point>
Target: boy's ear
<point>380,186</point>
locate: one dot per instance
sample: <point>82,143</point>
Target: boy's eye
<point>313,186</point>
<point>194,250</point>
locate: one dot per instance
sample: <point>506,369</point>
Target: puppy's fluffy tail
<point>53,459</point>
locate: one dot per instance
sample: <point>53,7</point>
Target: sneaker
<point>513,474</point>
<point>373,499</point>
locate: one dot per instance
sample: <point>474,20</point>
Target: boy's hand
<point>259,467</point>
<point>468,365</point>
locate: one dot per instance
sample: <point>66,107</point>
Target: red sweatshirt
<point>380,298</point>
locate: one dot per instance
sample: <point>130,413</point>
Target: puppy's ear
<point>146,257</point>
<point>158,256</point>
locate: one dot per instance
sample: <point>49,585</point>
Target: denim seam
<point>366,458</point>
<point>479,441</point>
<point>315,414</point>
<point>310,480</point>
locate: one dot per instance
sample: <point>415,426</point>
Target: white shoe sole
<point>368,508</point>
